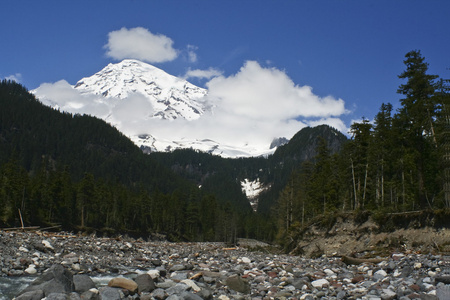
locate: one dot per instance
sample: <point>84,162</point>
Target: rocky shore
<point>64,264</point>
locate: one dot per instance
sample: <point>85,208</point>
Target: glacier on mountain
<point>170,96</point>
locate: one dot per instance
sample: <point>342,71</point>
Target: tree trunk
<point>354,185</point>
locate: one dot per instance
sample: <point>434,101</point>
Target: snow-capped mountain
<point>170,96</point>
<point>140,99</point>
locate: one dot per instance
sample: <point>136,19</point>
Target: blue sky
<point>350,50</point>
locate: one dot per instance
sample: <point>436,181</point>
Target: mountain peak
<point>171,97</point>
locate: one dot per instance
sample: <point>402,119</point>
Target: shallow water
<point>11,286</point>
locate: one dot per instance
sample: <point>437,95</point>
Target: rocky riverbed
<point>139,269</point>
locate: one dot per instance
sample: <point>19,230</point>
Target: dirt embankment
<point>376,234</point>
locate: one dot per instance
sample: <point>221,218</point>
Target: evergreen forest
<point>81,174</point>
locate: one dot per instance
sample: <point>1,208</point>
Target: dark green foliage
<point>398,164</point>
<point>288,158</point>
<point>81,173</point>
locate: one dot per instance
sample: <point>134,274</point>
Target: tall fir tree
<point>417,117</point>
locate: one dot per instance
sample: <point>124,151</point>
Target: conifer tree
<point>417,117</point>
<point>381,152</point>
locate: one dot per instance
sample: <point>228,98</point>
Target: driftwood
<point>233,248</point>
<point>195,276</point>
<point>21,228</point>
<point>51,227</point>
<point>357,261</point>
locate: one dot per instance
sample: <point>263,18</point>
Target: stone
<point>56,279</point>
<point>156,262</point>
<point>48,246</point>
<point>83,283</point>
<point>443,292</point>
<point>159,294</point>
<point>31,270</point>
<point>23,249</point>
<point>380,274</point>
<point>153,273</point>
<point>320,283</point>
<point>190,296</point>
<point>92,294</point>
<point>178,276</point>
<point>177,289</point>
<point>238,284</point>
<point>357,278</point>
<point>205,294</point>
<point>329,272</point>
<point>123,283</point>
<point>31,295</point>
<point>110,293</point>
<point>191,284</point>
<point>246,260</point>
<point>56,296</point>
<point>443,278</point>
<point>75,296</point>
<point>145,283</point>
<point>166,284</point>
<point>341,295</point>
<point>178,267</point>
<point>387,294</point>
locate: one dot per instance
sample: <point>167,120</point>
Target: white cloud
<point>333,122</point>
<point>202,74</point>
<point>130,113</point>
<point>15,77</point>
<point>140,43</point>
<point>192,56</point>
<point>268,93</point>
<point>63,96</point>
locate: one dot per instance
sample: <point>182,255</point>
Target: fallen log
<point>357,261</point>
<point>232,248</point>
<point>21,228</point>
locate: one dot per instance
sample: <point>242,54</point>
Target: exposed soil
<point>418,232</point>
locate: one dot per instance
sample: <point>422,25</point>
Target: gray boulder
<point>83,283</point>
<point>238,284</point>
<point>56,279</point>
<point>145,283</point>
<point>31,295</point>
<point>111,293</point>
<point>57,296</point>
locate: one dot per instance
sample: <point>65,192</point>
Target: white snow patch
<point>252,189</point>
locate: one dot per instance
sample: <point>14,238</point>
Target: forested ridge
<point>398,163</point>
<point>81,173</point>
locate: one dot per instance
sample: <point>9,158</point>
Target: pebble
<point>215,271</point>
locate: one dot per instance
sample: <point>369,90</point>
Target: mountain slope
<point>289,157</point>
<point>267,176</point>
<point>31,132</point>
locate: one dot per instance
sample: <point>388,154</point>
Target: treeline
<point>398,163</point>
<point>50,197</point>
<point>82,174</point>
